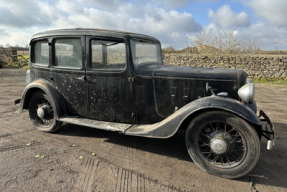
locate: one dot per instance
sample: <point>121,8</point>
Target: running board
<point>109,126</point>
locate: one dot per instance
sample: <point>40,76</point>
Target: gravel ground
<point>122,163</point>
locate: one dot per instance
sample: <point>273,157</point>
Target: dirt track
<point>122,163</point>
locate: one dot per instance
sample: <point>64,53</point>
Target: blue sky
<point>199,9</point>
<point>174,22</point>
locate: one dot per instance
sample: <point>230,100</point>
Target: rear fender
<point>169,126</point>
<point>46,87</point>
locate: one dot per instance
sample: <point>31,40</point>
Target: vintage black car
<point>116,81</point>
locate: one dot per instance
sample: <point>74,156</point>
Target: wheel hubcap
<point>42,111</point>
<point>218,146</point>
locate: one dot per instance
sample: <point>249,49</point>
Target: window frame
<point>53,55</point>
<point>148,41</point>
<point>32,53</point>
<point>120,40</point>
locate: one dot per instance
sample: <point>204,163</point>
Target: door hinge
<point>131,79</point>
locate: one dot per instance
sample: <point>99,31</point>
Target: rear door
<point>68,73</point>
<point>109,91</point>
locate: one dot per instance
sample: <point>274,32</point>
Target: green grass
<point>269,81</point>
<point>25,67</point>
<point>25,56</point>
<point>11,66</point>
<point>15,65</point>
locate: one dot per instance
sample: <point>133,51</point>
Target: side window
<point>68,53</point>
<point>108,55</point>
<point>146,52</point>
<point>40,50</point>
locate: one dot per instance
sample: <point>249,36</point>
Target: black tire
<point>48,123</point>
<point>222,144</point>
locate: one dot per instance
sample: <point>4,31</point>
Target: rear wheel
<point>42,112</point>
<point>223,144</point>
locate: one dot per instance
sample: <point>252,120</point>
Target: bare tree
<point>251,46</point>
<point>224,41</point>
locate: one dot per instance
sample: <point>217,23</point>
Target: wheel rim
<point>43,112</point>
<point>221,144</point>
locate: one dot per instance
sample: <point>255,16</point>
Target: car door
<point>109,91</point>
<point>68,73</point>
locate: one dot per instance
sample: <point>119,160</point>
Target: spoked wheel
<point>223,144</point>
<point>42,112</point>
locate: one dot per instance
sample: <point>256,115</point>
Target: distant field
<point>23,53</point>
<point>25,56</point>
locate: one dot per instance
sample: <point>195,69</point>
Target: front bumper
<point>268,130</point>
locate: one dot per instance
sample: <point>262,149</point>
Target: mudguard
<point>169,126</point>
<point>49,89</point>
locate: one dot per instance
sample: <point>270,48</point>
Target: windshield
<point>146,52</point>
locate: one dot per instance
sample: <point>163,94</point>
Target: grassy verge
<point>25,67</point>
<point>269,81</point>
<point>5,65</point>
<point>10,66</point>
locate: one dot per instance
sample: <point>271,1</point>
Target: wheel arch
<point>180,119</point>
<point>46,87</point>
<point>189,118</point>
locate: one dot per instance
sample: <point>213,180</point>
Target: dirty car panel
<point>116,81</point>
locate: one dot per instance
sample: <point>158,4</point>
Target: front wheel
<point>222,144</point>
<point>42,112</point>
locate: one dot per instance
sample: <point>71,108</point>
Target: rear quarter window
<point>40,52</point>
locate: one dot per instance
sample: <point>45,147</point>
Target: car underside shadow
<point>172,147</point>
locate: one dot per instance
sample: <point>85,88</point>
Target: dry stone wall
<point>262,67</point>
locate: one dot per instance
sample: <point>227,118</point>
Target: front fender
<point>46,87</point>
<point>171,124</point>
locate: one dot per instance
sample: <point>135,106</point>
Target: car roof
<point>92,32</point>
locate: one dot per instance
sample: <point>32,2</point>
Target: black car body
<point>116,81</point>
<point>1,63</point>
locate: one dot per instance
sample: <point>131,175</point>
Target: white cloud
<point>226,18</point>
<point>18,14</point>
<point>274,11</point>
<point>68,6</point>
<point>113,4</point>
<point>15,37</point>
<point>171,27</point>
<point>268,35</point>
